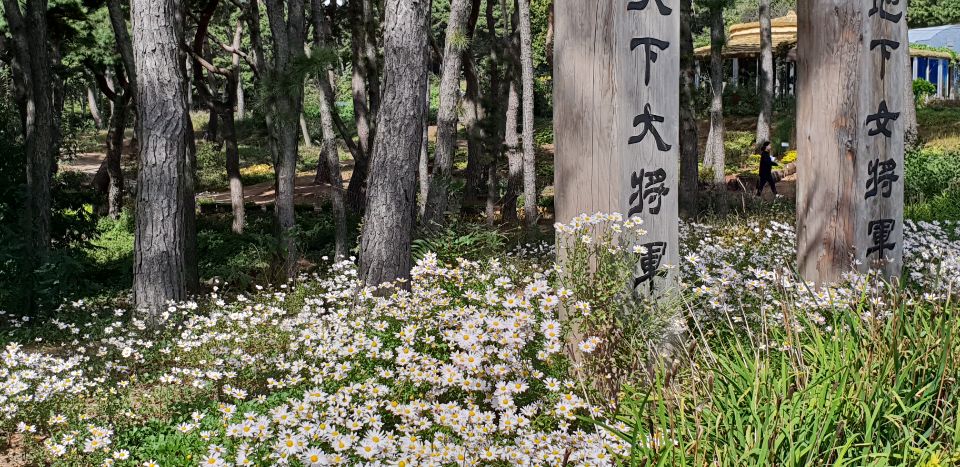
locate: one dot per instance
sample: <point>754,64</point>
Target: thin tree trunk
<point>715,157</point>
<point>234,97</point>
<point>305,131</point>
<point>389,218</point>
<point>550,34</point>
<point>118,124</point>
<point>191,259</point>
<point>365,83</point>
<point>118,22</point>
<point>330,157</point>
<point>423,168</point>
<point>94,108</point>
<point>530,203</point>
<point>28,29</point>
<point>442,174</point>
<point>766,74</point>
<point>473,115</point>
<point>689,157</point>
<point>511,140</point>
<point>241,100</point>
<point>213,127</point>
<point>160,270</point>
<point>288,34</point>
<point>494,119</point>
<point>233,172</point>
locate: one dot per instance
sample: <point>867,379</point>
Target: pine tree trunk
<point>511,140</point>
<point>391,198</point>
<point>191,259</point>
<point>160,245</point>
<point>689,156</point>
<point>766,74</point>
<point>530,201</point>
<point>473,114</point>
<point>241,101</point>
<point>715,157</point>
<point>94,108</point>
<point>495,116</point>
<point>288,34</point>
<point>118,124</point>
<point>34,89</point>
<point>118,22</point>
<point>234,100</point>
<point>366,89</point>
<point>330,157</point>
<point>423,166</point>
<point>442,174</point>
<point>233,170</point>
<point>305,131</point>
<point>213,127</point>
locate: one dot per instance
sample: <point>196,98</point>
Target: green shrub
<point>929,173</point>
<point>922,90</point>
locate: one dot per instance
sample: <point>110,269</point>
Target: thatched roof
<point>743,41</point>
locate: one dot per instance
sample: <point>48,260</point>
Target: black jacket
<point>766,164</point>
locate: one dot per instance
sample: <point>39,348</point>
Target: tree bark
<point>766,74</point>
<point>366,90</point>
<point>495,114</point>
<point>511,140</point>
<point>234,94</point>
<point>530,203</point>
<point>288,35</point>
<point>28,29</point>
<point>233,172</point>
<point>850,178</point>
<point>160,267</point>
<point>715,157</point>
<point>423,167</point>
<point>388,222</point>
<point>213,127</point>
<point>330,157</point>
<point>473,114</point>
<point>118,124</point>
<point>241,101</point>
<point>94,108</point>
<point>118,22</point>
<point>441,176</point>
<point>305,131</point>
<point>689,154</point>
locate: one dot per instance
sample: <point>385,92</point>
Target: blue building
<point>934,66</point>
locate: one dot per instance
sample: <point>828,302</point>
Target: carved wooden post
<point>616,119</point>
<point>850,137</point>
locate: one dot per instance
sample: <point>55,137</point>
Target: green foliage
<point>459,240</point>
<point>860,392</point>
<point>922,90</point>
<point>933,13</point>
<point>930,172</point>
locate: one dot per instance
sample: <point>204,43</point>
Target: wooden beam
<point>616,118</point>
<point>850,138</point>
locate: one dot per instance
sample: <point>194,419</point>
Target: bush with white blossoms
<point>747,273</point>
<point>465,368</point>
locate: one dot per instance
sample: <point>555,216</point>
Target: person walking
<point>767,163</point>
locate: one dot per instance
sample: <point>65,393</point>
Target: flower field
<point>468,364</point>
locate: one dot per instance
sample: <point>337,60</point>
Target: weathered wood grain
<point>841,83</point>
<point>600,87</point>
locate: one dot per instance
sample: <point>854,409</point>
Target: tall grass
<point>863,391</point>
